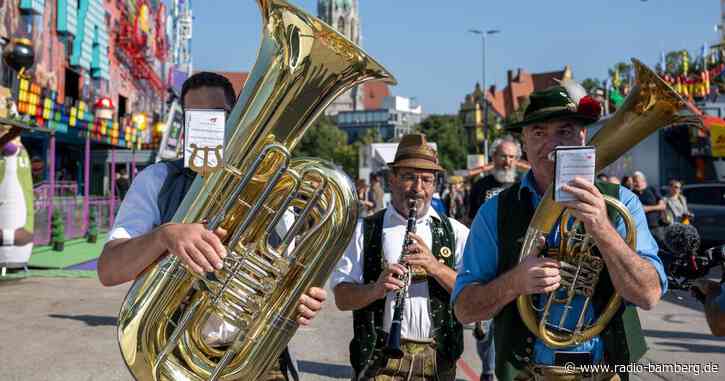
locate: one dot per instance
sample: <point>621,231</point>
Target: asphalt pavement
<point>65,329</point>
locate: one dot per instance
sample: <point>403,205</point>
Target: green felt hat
<point>567,101</point>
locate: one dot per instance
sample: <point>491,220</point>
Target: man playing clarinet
<point>370,279</point>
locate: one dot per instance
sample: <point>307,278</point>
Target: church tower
<point>344,17</point>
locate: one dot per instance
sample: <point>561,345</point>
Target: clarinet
<point>392,347</point>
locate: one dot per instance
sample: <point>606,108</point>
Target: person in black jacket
<point>506,152</point>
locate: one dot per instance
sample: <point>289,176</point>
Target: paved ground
<point>64,329</point>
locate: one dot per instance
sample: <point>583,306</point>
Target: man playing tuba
<point>142,232</point>
<point>492,277</point>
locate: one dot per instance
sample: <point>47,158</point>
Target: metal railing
<point>69,205</point>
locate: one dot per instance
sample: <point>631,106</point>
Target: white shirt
<point>416,322</point>
<point>139,212</point>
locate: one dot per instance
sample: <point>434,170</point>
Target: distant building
<point>343,16</point>
<point>374,93</point>
<point>395,118</point>
<point>503,103</point>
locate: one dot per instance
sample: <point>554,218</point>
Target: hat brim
<point>416,164</point>
<point>547,117</point>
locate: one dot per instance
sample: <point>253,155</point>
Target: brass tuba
<point>302,66</point>
<point>651,104</point>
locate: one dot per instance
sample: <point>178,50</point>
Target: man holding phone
<point>492,277</point>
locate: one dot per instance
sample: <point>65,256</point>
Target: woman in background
<point>677,210</point>
<point>367,207</point>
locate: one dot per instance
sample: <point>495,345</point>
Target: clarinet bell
<point>392,348</point>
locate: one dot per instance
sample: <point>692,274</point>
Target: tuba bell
<point>652,104</point>
<point>302,66</point>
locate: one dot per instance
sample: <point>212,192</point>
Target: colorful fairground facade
<point>693,152</point>
<point>93,98</point>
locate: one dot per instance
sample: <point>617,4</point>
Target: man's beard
<point>505,175</point>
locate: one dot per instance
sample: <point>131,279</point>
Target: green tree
<point>57,232</point>
<point>590,84</point>
<point>447,131</point>
<point>369,136</point>
<point>92,233</point>
<point>518,114</point>
<point>324,140</point>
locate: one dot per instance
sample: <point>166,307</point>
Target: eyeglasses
<point>409,178</point>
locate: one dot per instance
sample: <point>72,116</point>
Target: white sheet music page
<point>571,162</point>
<point>205,130</point>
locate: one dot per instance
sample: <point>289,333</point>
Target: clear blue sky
<point>427,47</point>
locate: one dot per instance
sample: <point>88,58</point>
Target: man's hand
<point>310,305</point>
<point>590,209</point>
<point>420,255</point>
<point>200,249</point>
<point>388,280</point>
<point>537,275</point>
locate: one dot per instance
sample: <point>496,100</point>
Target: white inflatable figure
<point>16,206</point>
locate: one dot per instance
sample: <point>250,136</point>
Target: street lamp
<point>483,35</point>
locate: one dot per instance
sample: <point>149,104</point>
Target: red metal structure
<point>134,41</point>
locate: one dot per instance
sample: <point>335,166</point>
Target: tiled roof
<point>544,80</point>
<point>373,94</point>
<point>519,85</point>
<point>237,78</point>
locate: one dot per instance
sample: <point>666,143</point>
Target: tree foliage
<point>590,84</point>
<point>518,114</point>
<point>447,131</point>
<point>324,140</point>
